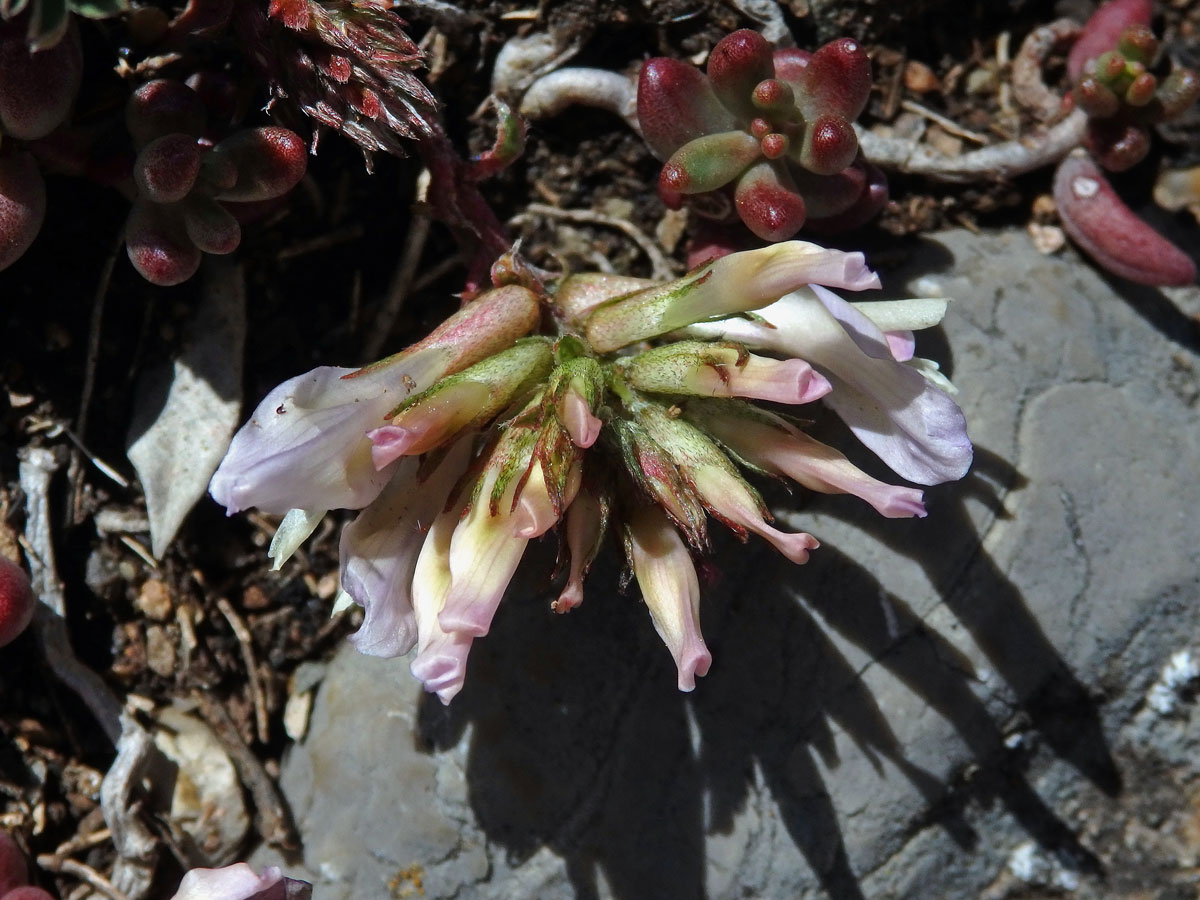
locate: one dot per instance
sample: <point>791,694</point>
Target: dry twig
<point>65,866</point>
<point>37,466</point>
<point>246,642</point>
<point>659,264</point>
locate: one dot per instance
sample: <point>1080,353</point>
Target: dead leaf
<point>185,416</point>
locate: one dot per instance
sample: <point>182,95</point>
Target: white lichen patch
<point>1180,672</point>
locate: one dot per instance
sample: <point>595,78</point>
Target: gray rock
<point>953,706</point>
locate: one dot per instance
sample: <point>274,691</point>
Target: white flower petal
<point>305,446</point>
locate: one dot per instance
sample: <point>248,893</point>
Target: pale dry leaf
<point>184,416</point>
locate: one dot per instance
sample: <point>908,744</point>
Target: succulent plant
<point>186,182</point>
<point>1110,64</point>
<point>772,125</point>
<point>1117,89</point>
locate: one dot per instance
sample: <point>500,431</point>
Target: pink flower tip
<point>570,598</point>
<point>389,443</point>
<point>440,673</point>
<point>465,615</point>
<point>694,662</point>
<point>577,417</point>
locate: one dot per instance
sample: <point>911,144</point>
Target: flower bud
<point>724,370</point>
<point>732,284</point>
<point>718,485</point>
<point>467,399</point>
<point>667,577</point>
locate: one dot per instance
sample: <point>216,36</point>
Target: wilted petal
<point>484,554</point>
<point>912,425</point>
<point>236,882</point>
<point>535,513</point>
<point>305,446</point>
<point>379,552</point>
<point>665,573</point>
<point>772,444</point>
<point>727,497</point>
<point>293,531</point>
<point>441,660</point>
<point>584,531</point>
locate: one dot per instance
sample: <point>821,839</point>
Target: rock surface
<point>993,701</point>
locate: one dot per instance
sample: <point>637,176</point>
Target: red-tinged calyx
<point>1103,31</point>
<point>738,63</point>
<point>709,162</point>
<point>293,14</point>
<point>655,472</point>
<point>492,322</point>
<point>767,204</point>
<point>22,206</point>
<point>676,104</point>
<point>1109,232</point>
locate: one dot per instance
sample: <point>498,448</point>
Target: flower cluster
<point>774,124</point>
<point>612,403</point>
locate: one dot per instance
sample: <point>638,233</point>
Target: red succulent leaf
<point>737,63</point>
<point>158,245</point>
<point>37,88</point>
<point>767,202</point>
<point>1103,30</point>
<point>17,603</point>
<point>1117,145</point>
<point>269,161</point>
<point>709,162</point>
<point>1177,93</point>
<point>167,167</point>
<point>871,200</point>
<point>1095,98</point>
<point>1108,231</point>
<point>676,104</point>
<point>164,106</point>
<point>28,892</point>
<point>210,226</point>
<point>1138,43</point>
<point>836,80</point>
<point>831,195</point>
<point>14,871</point>
<point>829,145</point>
<point>790,63</point>
<point>22,206</point>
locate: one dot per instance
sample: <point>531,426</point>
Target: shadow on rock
<point>580,741</point>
